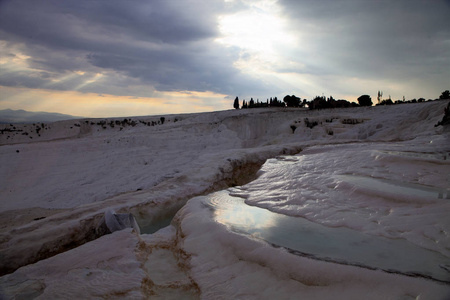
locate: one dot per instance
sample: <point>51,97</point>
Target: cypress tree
<point>236,103</point>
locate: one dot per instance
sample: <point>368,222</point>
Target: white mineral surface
<point>377,174</point>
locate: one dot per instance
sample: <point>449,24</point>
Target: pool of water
<point>421,155</point>
<point>340,245</point>
<point>396,188</point>
<point>153,227</point>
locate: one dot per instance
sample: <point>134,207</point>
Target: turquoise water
<point>341,245</point>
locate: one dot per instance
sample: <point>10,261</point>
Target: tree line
<point>321,102</point>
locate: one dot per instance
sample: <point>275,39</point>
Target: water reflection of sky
<point>251,220</point>
<point>336,244</point>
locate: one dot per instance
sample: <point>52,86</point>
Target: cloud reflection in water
<point>340,244</point>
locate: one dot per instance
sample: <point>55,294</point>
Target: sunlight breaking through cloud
<point>227,48</point>
<point>260,33</point>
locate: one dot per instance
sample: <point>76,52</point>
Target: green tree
<point>445,95</point>
<point>292,101</point>
<point>380,95</point>
<point>319,102</point>
<point>236,103</point>
<point>365,100</point>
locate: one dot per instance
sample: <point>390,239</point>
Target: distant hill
<point>23,116</point>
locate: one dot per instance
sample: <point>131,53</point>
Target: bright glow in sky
<point>259,32</point>
<point>96,59</point>
<point>99,105</point>
<point>262,35</point>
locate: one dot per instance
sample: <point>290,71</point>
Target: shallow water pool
<point>340,245</point>
<point>390,188</point>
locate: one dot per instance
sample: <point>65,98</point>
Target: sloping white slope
<point>83,167</point>
<point>105,268</point>
<point>227,265</point>
<point>79,165</point>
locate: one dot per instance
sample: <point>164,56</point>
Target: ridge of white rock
<point>56,183</point>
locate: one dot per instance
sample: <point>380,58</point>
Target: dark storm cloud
<point>172,69</point>
<point>373,39</point>
<point>165,44</point>
<point>141,47</point>
<point>73,24</point>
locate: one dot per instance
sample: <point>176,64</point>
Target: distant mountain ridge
<point>23,116</point>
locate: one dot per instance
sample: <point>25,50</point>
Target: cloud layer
<point>156,43</point>
<point>144,48</point>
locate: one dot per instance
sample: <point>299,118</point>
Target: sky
<point>107,58</point>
